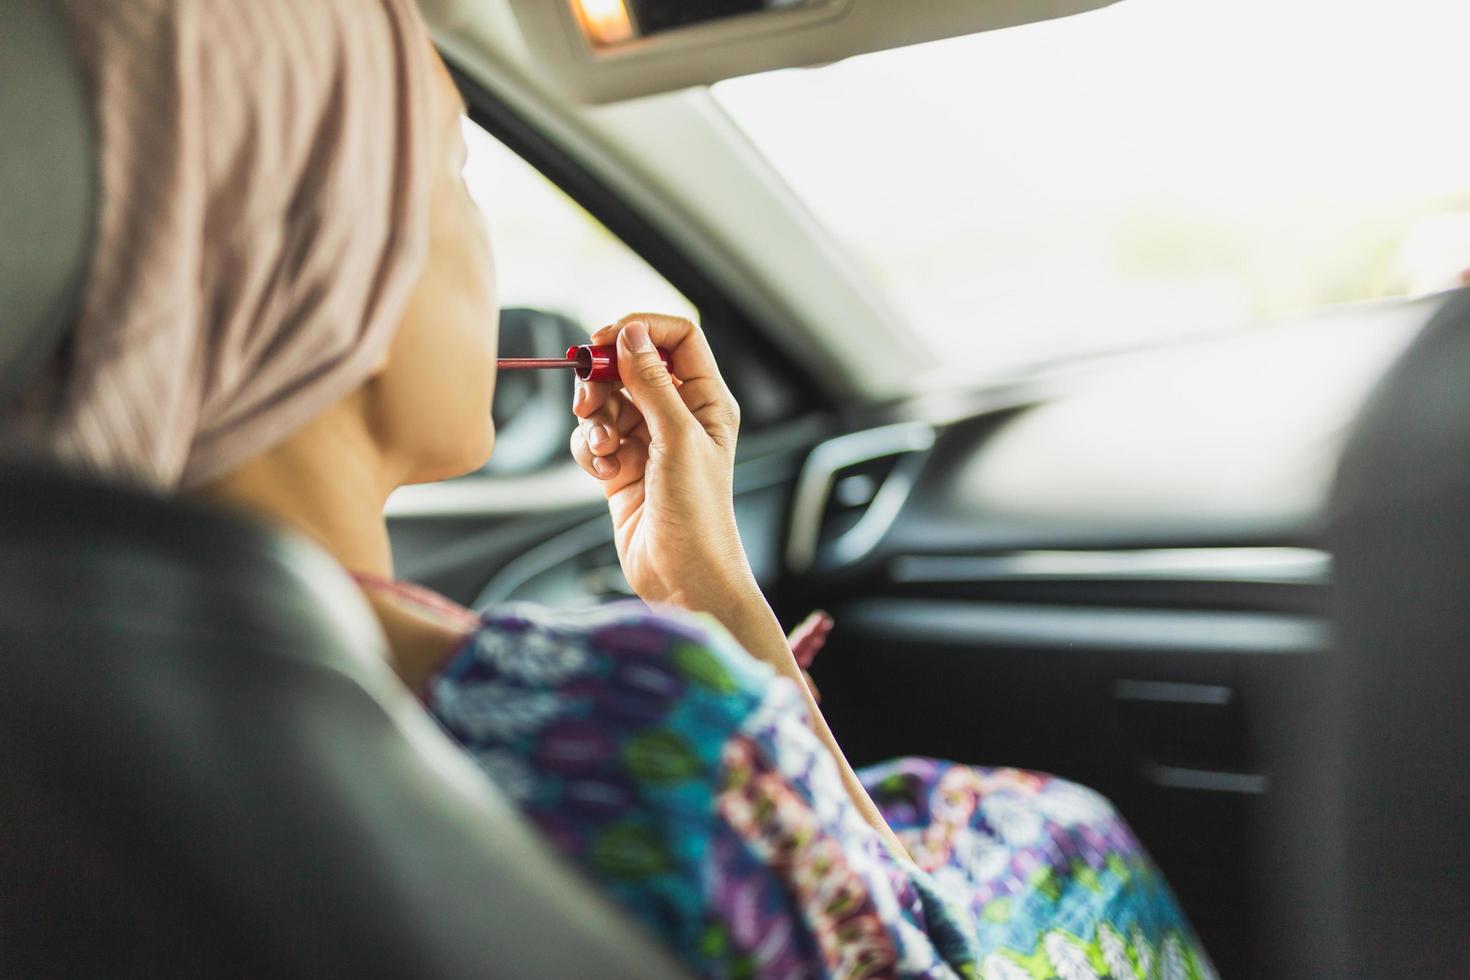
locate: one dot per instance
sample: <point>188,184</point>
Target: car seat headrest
<point>48,188</point>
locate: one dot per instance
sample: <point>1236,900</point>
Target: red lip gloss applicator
<point>591,362</point>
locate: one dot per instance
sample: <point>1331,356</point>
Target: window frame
<point>728,326</point>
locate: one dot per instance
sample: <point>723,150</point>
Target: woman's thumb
<point>648,380</point>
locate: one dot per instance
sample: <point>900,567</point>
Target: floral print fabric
<point>681,775</point>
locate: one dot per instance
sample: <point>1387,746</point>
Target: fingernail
<point>638,340</point>
<point>602,466</point>
<point>599,435</point>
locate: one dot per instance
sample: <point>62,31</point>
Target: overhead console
<point>605,50</point>
<point>609,24</point>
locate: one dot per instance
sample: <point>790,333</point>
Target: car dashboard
<point>1113,571</point>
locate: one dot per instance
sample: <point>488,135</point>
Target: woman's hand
<point>664,450</point>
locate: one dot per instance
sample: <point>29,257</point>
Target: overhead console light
<point>605,50</point>
<point>611,22</point>
<point>606,22</point>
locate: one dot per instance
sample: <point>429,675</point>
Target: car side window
<point>561,274</point>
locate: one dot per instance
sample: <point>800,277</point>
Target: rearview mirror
<point>604,50</point>
<point>532,409</point>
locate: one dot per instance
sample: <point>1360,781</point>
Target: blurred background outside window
<point>1150,170</point>
<point>550,254</point>
<point>560,275</point>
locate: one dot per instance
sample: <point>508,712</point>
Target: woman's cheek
<point>473,390</point>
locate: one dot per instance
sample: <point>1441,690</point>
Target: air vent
<point>850,490</point>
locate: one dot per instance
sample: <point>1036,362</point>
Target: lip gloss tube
<point>591,363</point>
<point>600,363</point>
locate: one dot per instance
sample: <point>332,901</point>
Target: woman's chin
<point>449,467</point>
<point>487,448</point>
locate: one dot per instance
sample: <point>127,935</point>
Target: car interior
<point>1218,578</point>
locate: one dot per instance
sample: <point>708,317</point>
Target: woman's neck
<point>328,482</point>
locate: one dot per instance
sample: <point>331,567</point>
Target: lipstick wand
<point>533,363</point>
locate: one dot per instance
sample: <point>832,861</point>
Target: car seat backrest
<point>47,188</point>
<point>1389,861</point>
<point>206,766</point>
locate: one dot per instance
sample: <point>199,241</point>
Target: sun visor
<point>606,50</point>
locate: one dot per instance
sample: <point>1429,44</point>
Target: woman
<point>291,312</point>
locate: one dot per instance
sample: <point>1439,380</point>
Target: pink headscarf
<point>264,200</point>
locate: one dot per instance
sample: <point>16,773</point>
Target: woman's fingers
<point>612,441</point>
<point>596,403</point>
<point>649,403</point>
<point>605,428</point>
<point>600,413</point>
<point>810,637</point>
<point>651,387</point>
<point>632,459</point>
<point>619,469</point>
<point>589,397</point>
<point>604,467</point>
<point>689,352</point>
<point>601,438</point>
<point>625,490</point>
<point>701,388</point>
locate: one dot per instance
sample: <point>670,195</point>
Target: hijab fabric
<point>264,169</point>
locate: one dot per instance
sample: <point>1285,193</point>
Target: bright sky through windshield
<point>1154,168</point>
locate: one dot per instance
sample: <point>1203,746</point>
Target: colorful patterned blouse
<point>681,775</point>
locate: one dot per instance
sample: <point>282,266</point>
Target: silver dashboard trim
<point>822,467</point>
<point>563,547</point>
<point>560,487</point>
<point>970,624</point>
<point>1173,692</point>
<point>1272,566</point>
<point>1206,780</point>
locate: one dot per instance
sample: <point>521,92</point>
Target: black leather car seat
<point>1377,848</point>
<point>206,767</point>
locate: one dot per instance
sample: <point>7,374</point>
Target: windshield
<point>1145,171</point>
